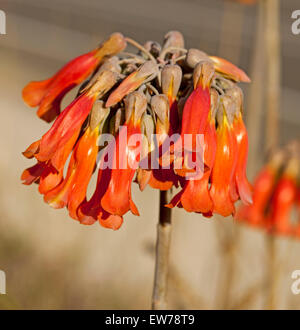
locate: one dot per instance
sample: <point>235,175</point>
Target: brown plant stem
<point>164,228</point>
<point>228,237</point>
<point>255,102</point>
<point>272,273</point>
<point>272,47</point>
<point>272,44</point>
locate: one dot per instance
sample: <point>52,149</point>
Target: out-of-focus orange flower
<point>275,193</point>
<point>283,200</point>
<point>262,192</point>
<point>47,94</point>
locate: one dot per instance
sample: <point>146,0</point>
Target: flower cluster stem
<point>164,228</point>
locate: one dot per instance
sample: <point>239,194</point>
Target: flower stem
<point>272,48</point>
<point>272,44</point>
<point>164,228</point>
<point>273,273</point>
<point>141,48</point>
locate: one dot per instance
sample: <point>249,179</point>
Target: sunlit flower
<point>117,198</point>
<point>48,94</point>
<point>166,117</point>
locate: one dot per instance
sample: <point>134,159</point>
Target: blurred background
<point>52,262</point>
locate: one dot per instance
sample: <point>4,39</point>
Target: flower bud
<point>113,45</point>
<point>160,106</point>
<point>145,72</point>
<point>135,106</point>
<point>237,95</point>
<point>111,64</point>
<point>194,56</point>
<point>153,48</point>
<point>173,39</point>
<point>229,107</point>
<point>203,74</point>
<point>98,115</point>
<point>171,77</point>
<point>214,102</point>
<point>102,82</point>
<point>116,121</point>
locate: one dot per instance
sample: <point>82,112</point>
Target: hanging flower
<point>275,205</point>
<point>48,94</point>
<point>168,116</point>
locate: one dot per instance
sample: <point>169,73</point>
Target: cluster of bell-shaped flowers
<point>276,194</point>
<point>168,95</point>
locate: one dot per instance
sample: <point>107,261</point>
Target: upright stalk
<point>272,274</point>
<point>255,103</point>
<point>272,42</point>
<point>272,47</point>
<point>164,227</point>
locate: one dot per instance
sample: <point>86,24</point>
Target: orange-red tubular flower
<point>196,108</point>
<point>162,178</point>
<point>282,203</point>
<point>47,94</point>
<point>263,187</point>
<point>117,199</point>
<point>224,169</point>
<point>72,118</point>
<point>284,199</point>
<point>146,71</point>
<point>33,173</point>
<point>229,70</point>
<point>196,196</point>
<point>244,188</point>
<point>71,192</point>
<point>297,229</point>
<point>171,77</point>
<point>44,172</point>
<point>91,211</point>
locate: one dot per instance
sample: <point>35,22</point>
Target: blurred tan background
<point>53,262</point>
